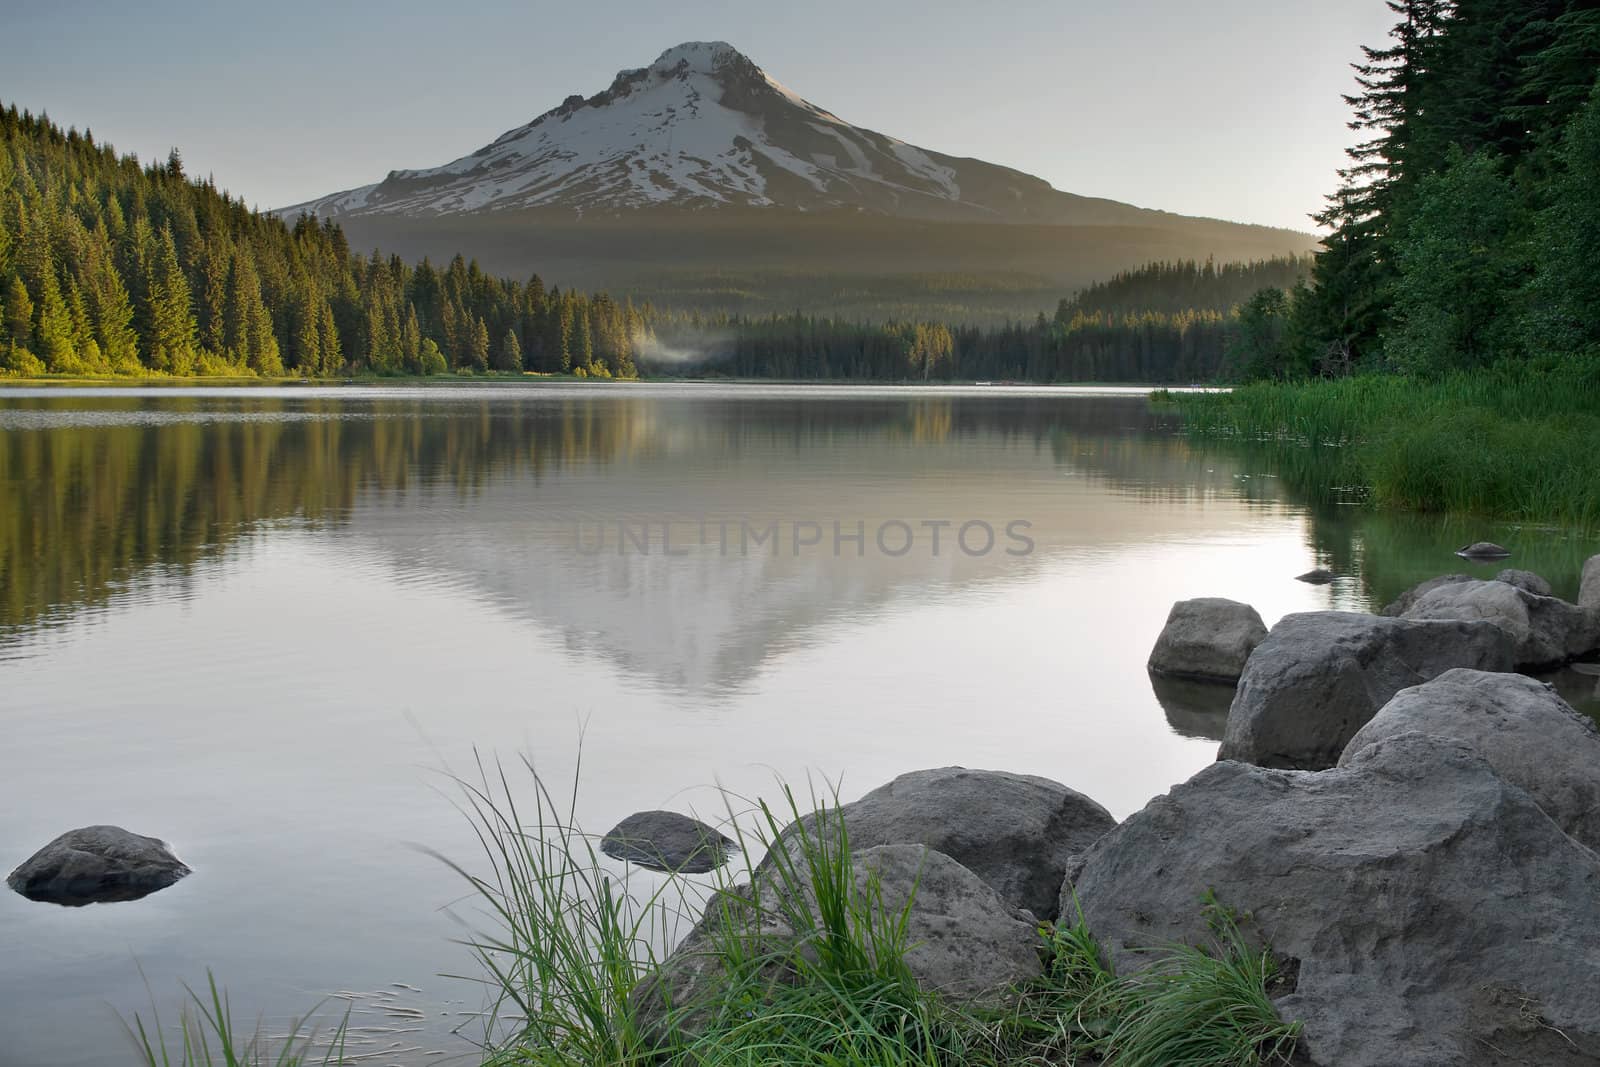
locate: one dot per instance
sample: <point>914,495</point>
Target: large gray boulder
<point>1207,639</point>
<point>1433,912</point>
<point>1321,675</point>
<point>1403,602</point>
<point>1530,736</point>
<point>1015,831</point>
<point>1589,595</point>
<point>667,841</point>
<point>962,940</point>
<point>1548,632</point>
<point>1527,581</point>
<point>97,865</point>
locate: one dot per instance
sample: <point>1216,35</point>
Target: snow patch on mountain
<point>702,127</point>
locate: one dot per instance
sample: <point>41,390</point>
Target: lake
<point>267,625</point>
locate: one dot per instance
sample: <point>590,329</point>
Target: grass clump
<point>208,1036</point>
<point>1199,1006</point>
<point>1512,441</point>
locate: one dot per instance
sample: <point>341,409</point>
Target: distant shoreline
<point>562,380</point>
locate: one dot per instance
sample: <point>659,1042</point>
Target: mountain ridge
<point>704,127</point>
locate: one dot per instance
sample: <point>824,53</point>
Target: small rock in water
<point>1483,550</point>
<point>1317,577</point>
<point>1207,638</point>
<point>667,841</point>
<point>97,865</point>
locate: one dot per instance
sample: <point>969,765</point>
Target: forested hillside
<point>1466,229</point>
<point>1173,288</point>
<point>110,267</point>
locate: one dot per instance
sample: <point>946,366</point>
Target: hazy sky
<point>1229,108</point>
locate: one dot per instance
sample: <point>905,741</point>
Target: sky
<point>1228,108</point>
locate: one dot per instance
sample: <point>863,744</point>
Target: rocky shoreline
<point>1408,825</point>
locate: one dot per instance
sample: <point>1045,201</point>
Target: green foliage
<point>1564,305</point>
<point>1462,232</point>
<point>1266,343</point>
<point>1460,260</point>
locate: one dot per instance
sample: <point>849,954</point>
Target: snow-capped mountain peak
<point>703,127</point>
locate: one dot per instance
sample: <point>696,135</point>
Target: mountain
<point>702,162</point>
<point>701,127</point>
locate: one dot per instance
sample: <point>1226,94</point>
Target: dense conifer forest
<point>1466,228</point>
<point>111,267</point>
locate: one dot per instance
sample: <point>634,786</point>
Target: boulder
<point>1193,709</point>
<point>667,841</point>
<point>1403,602</point>
<point>1527,581</point>
<point>1317,577</point>
<point>1530,736</point>
<point>1589,594</point>
<point>1483,550</point>
<point>962,939</point>
<point>1207,639</point>
<point>1431,912</point>
<point>1014,831</point>
<point>97,865</point>
<point>1548,632</point>
<point>1321,675</point>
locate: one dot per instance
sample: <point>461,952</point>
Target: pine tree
<point>478,352</point>
<point>328,340</point>
<point>18,313</point>
<point>509,355</point>
<point>171,337</point>
<point>52,328</point>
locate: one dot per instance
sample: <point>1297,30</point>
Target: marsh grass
<point>1512,441</point>
<point>208,1036</point>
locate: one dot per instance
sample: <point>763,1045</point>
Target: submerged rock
<point>1530,736</point>
<point>667,841</point>
<point>1548,632</point>
<point>1317,577</point>
<point>1403,602</point>
<point>1433,913</point>
<point>963,940</point>
<point>97,865</point>
<point>1483,550</point>
<point>1208,639</point>
<point>1015,831</point>
<point>1527,581</point>
<point>1321,675</point>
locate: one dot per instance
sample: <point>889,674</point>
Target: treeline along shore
<point>110,268</point>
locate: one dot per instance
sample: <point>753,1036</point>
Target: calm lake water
<point>265,625</point>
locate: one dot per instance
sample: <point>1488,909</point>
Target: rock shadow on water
<point>1193,709</point>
